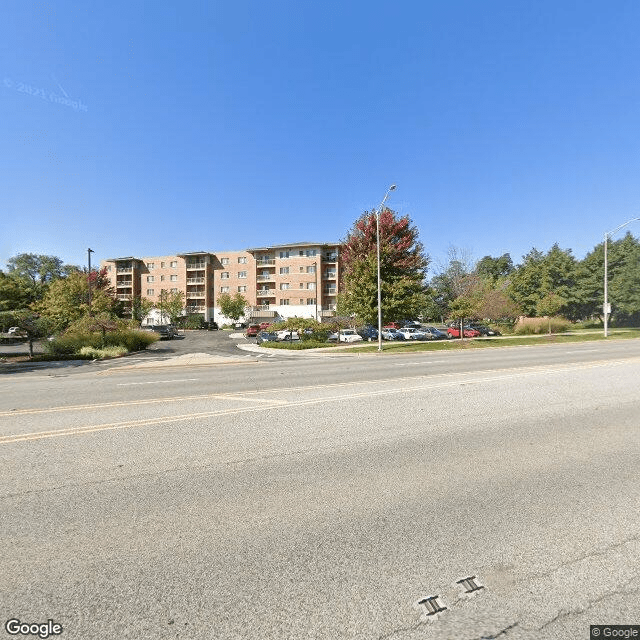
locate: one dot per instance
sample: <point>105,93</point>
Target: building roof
<point>295,244</point>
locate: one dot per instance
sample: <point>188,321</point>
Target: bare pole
<point>391,188</point>
<point>89,252</point>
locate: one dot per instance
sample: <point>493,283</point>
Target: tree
<point>403,266</point>
<point>232,306</point>
<point>493,269</point>
<point>171,304</point>
<point>38,271</point>
<point>28,322</point>
<point>550,305</point>
<point>14,293</point>
<point>140,308</point>
<point>67,299</point>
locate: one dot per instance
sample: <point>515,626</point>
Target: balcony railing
<point>265,278</point>
<point>124,283</point>
<point>330,257</point>
<point>195,309</point>
<point>196,265</point>
<point>269,293</point>
<point>195,295</point>
<point>329,292</point>
<point>124,270</point>
<point>124,296</point>
<point>195,280</point>
<point>329,274</point>
<point>265,262</point>
<point>328,307</point>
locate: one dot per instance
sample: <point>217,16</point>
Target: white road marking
<point>131,384</point>
<point>404,364</point>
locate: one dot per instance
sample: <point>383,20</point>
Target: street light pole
<point>89,252</point>
<point>391,188</point>
<point>605,306</point>
<point>315,268</point>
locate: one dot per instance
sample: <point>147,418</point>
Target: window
<point>224,289</point>
<point>300,253</point>
<point>173,278</point>
<point>301,269</point>
<point>284,285</point>
<point>311,285</point>
<point>174,290</point>
<point>224,275</point>
<point>224,260</point>
<point>302,285</point>
<point>242,289</point>
<point>311,300</point>
<point>151,265</point>
<point>150,278</point>
<point>109,268</point>
<point>150,292</point>
<point>311,253</point>
<point>285,301</point>
<point>161,278</point>
<point>174,263</point>
<point>242,260</point>
<point>284,270</point>
<point>311,269</point>
<point>284,254</point>
<point>162,265</point>
<point>242,274</point>
<point>301,300</point>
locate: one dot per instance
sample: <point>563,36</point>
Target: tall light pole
<point>391,188</point>
<point>89,252</point>
<point>315,268</point>
<point>605,306</point>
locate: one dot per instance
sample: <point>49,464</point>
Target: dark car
<point>253,330</point>
<point>165,331</point>
<point>210,326</point>
<point>484,330</point>
<point>436,333</point>
<point>368,332</point>
<point>266,336</point>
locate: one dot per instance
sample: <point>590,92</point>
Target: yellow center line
<point>282,404</point>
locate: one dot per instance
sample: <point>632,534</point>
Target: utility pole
<point>89,252</point>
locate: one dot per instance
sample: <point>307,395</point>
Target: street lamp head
<point>392,187</point>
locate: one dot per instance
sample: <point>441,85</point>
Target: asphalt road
<point>325,496</point>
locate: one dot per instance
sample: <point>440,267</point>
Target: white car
<point>410,333</point>
<point>349,335</point>
<point>287,335</point>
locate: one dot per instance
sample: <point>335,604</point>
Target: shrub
<point>537,326</point>
<point>70,343</point>
<point>130,340</point>
<point>107,352</point>
<point>73,342</point>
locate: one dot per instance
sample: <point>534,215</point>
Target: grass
<point>484,343</point>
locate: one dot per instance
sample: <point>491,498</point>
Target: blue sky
<point>140,128</point>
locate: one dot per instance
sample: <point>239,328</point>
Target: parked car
<point>253,330</point>
<point>392,334</point>
<point>349,335</point>
<point>454,332</point>
<point>392,325</point>
<point>165,331</point>
<point>436,333</point>
<point>368,332</point>
<point>239,325</point>
<point>287,335</point>
<point>484,330</point>
<point>414,324</point>
<point>266,336</point>
<point>265,325</point>
<point>410,333</point>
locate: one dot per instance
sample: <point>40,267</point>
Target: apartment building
<point>292,280</point>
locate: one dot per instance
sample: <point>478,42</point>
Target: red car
<point>392,325</point>
<point>265,325</point>
<point>454,332</point>
<point>253,330</point>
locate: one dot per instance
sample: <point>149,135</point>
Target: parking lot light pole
<point>391,188</point>
<point>605,306</point>
<point>89,252</point>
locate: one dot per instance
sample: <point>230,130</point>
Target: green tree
<point>403,265</point>
<point>550,305</point>
<point>14,293</point>
<point>140,308</point>
<point>67,299</point>
<point>29,322</point>
<point>171,304</point>
<point>493,269</point>
<point>232,306</point>
<point>38,271</point>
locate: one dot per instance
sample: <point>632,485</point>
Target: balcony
<point>329,275</point>
<point>196,265</point>
<point>328,307</point>
<point>124,296</point>
<point>124,283</point>
<point>124,270</point>
<point>195,280</point>
<point>269,293</point>
<point>195,295</point>
<point>265,262</point>
<point>261,311</point>
<point>266,278</point>
<point>330,257</point>
<point>329,292</point>
<point>196,309</point>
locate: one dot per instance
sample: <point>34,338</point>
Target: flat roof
<point>295,244</point>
